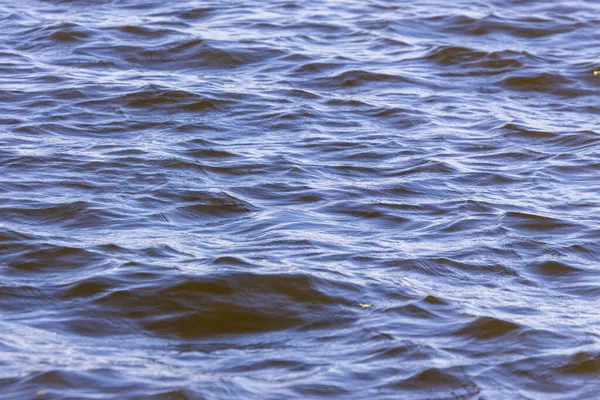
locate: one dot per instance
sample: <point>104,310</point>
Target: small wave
<point>157,98</point>
<point>486,328</point>
<point>524,27</point>
<point>354,78</point>
<point>54,34</point>
<point>533,223</point>
<point>435,383</point>
<point>545,83</point>
<point>472,62</point>
<point>228,304</point>
<point>75,214</point>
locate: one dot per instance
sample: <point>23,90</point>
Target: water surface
<point>299,199</point>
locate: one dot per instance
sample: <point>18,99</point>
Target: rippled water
<point>294,199</point>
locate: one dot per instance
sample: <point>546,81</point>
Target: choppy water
<point>294,199</point>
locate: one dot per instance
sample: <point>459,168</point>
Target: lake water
<point>299,199</point>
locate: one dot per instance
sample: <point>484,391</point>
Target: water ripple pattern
<point>299,199</point>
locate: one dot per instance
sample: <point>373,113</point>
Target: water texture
<point>299,199</point>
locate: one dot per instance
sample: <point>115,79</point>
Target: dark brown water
<point>299,199</point>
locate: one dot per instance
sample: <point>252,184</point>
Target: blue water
<point>293,199</point>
